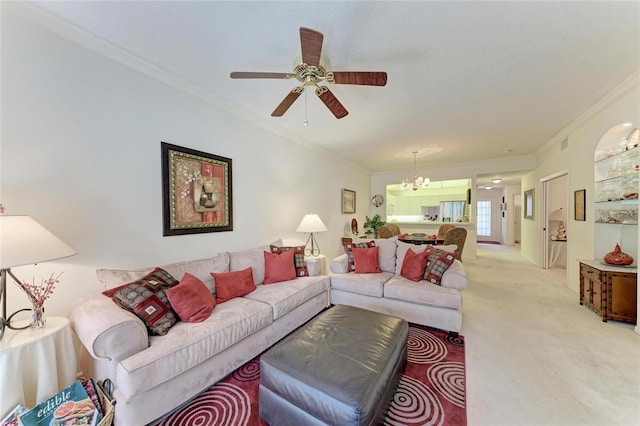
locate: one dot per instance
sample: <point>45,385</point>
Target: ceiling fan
<point>310,73</point>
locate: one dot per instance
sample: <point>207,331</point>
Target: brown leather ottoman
<point>341,368</point>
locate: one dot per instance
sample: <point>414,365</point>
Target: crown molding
<point>629,84</point>
<point>70,31</point>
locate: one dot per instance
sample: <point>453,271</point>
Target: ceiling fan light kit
<point>310,73</point>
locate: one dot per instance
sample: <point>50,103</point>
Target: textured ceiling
<point>467,81</point>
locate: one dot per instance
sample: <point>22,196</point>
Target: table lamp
<point>311,223</point>
<point>23,241</point>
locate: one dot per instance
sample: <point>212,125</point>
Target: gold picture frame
<point>348,201</point>
<point>579,202</point>
<point>197,192</point>
<point>529,204</point>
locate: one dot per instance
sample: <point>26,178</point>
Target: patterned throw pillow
<point>298,258</point>
<point>147,299</point>
<point>438,261</point>
<point>348,249</point>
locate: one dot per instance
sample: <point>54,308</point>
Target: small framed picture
<point>579,199</point>
<point>528,204</point>
<point>348,201</point>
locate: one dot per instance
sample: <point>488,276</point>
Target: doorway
<point>554,209</point>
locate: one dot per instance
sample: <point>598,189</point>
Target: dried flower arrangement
<point>37,294</point>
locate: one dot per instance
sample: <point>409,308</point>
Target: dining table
<point>421,239</point>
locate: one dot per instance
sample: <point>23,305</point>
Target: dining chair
<point>456,236</point>
<point>385,232</point>
<point>395,229</point>
<point>444,228</point>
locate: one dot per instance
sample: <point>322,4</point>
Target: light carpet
<point>430,392</point>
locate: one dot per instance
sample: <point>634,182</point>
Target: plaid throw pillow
<point>348,249</point>
<point>146,298</point>
<point>298,258</point>
<point>438,261</point>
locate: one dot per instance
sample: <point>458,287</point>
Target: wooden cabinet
<point>610,291</point>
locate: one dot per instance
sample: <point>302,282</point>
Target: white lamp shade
<point>23,241</point>
<point>311,223</point>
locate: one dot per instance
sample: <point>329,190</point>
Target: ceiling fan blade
<point>260,75</point>
<point>331,102</point>
<point>311,42</point>
<point>287,102</point>
<point>364,78</point>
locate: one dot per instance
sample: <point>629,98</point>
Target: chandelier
<point>418,181</point>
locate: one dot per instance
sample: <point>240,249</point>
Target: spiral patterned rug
<point>431,390</point>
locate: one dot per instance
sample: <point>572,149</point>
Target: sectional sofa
<point>153,374</point>
<point>435,305</point>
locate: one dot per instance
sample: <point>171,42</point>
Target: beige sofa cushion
<point>422,292</point>
<point>387,253</point>
<point>285,296</point>
<point>188,344</point>
<point>365,284</point>
<point>200,268</point>
<point>251,258</point>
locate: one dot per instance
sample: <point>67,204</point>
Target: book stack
<point>78,404</point>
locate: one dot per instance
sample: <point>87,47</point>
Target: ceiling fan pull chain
<point>306,122</point>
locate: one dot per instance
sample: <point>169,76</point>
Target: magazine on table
<point>70,407</point>
<point>12,418</point>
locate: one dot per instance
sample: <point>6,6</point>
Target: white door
<point>516,228</point>
<point>487,220</point>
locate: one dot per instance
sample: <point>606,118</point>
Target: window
<point>484,218</point>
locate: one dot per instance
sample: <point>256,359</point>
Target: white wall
<point>509,220</point>
<point>81,154</point>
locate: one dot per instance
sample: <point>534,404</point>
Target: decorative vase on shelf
<point>37,316</point>
<point>618,257</point>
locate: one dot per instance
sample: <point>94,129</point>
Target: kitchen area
<point>424,209</point>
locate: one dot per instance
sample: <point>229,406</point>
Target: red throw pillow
<point>298,258</point>
<point>348,249</point>
<point>438,261</point>
<point>191,299</point>
<point>233,284</point>
<point>366,260</point>
<point>413,265</point>
<point>279,267</point>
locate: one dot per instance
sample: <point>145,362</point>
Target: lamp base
<point>315,248</point>
<point>5,321</point>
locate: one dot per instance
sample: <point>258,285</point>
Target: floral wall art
<point>196,191</point>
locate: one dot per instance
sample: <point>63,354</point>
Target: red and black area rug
<point>431,390</point>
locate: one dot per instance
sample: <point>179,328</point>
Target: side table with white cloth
<point>315,265</point>
<point>36,364</point>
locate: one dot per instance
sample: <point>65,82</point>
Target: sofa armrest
<point>455,276</point>
<point>106,330</point>
<point>340,265</point>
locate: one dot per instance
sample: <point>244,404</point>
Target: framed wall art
<point>528,204</point>
<point>348,201</point>
<point>579,199</point>
<point>196,191</point>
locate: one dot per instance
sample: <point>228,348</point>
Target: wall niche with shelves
<point>616,187</point>
<point>610,290</point>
